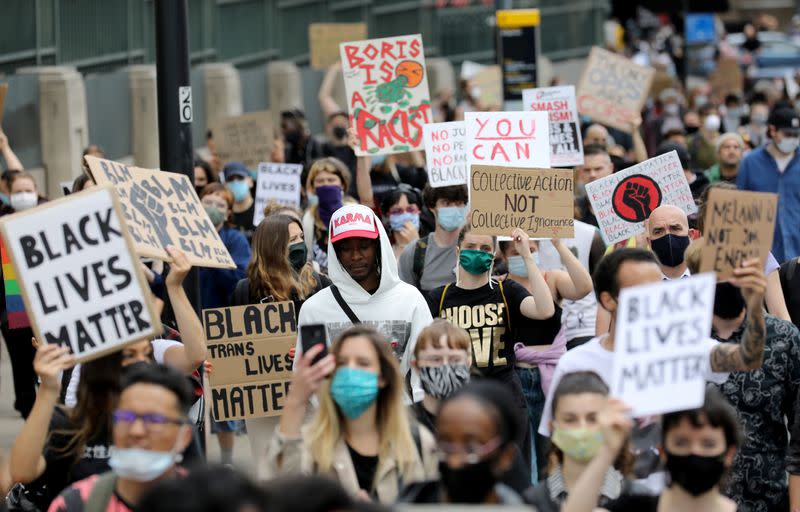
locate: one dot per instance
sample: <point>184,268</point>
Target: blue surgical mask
<point>312,199</point>
<point>354,390</point>
<point>516,265</point>
<point>451,218</point>
<point>239,189</point>
<point>141,465</point>
<point>378,159</point>
<point>398,221</point>
<point>5,199</point>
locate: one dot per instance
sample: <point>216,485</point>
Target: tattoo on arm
<point>748,354</point>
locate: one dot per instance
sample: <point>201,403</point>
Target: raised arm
<point>12,162</point>
<point>540,304</point>
<point>639,149</point>
<point>576,283</point>
<point>191,354</point>
<point>325,96</point>
<point>306,380</point>
<point>363,167</point>
<point>749,353</point>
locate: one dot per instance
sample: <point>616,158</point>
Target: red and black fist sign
<point>635,197</point>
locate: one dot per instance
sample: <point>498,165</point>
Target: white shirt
<point>593,357</point>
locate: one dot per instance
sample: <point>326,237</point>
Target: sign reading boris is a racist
<point>613,89</point>
<point>81,282</point>
<point>540,201</point>
<point>508,139</point>
<point>249,348</point>
<point>162,209</point>
<point>387,93</point>
<point>445,153</point>
<point>566,146</point>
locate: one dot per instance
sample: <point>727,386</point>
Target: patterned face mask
<point>442,381</point>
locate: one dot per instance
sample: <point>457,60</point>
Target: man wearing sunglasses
<point>150,431</point>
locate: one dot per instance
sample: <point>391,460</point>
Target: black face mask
<point>199,190</point>
<point>695,473</point>
<point>470,483</point>
<point>670,248</point>
<point>691,130</point>
<point>728,301</point>
<point>339,132</point>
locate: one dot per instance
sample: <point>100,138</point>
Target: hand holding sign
<point>750,279</point>
<point>49,362</point>
<point>178,269</point>
<point>616,424</point>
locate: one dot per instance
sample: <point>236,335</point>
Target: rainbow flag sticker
<point>15,307</point>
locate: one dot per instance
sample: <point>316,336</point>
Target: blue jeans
<point>531,381</point>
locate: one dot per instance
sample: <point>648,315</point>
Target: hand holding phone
<point>314,334</point>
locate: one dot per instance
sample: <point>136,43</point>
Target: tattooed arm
<point>749,353</point>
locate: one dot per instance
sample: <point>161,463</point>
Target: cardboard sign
<point>727,78</point>
<point>3,92</point>
<point>566,146</point>
<point>162,209</point>
<point>508,139</point>
<point>249,348</point>
<point>279,183</point>
<point>661,354</point>
<point>612,89</point>
<point>739,225</point>
<point>80,279</point>
<point>489,80</point>
<point>445,153</point>
<point>387,93</point>
<point>540,201</point>
<point>624,200</point>
<point>246,138</point>
<point>324,40</point>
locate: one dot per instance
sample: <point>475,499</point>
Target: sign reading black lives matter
<point>249,348</point>
<point>162,209</point>
<point>80,279</point>
<point>661,353</point>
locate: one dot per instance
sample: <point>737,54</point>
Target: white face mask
<point>712,123</point>
<point>142,465</point>
<point>21,201</point>
<point>787,145</point>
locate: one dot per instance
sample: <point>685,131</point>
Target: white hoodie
<point>396,309</point>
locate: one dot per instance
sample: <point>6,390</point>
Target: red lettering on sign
<point>356,99</point>
<point>352,59</point>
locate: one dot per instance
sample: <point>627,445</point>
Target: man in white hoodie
<point>363,269</point>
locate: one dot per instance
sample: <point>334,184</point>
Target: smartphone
<point>311,335</point>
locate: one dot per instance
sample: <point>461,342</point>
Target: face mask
<point>339,132</point>
<point>292,137</point>
<point>330,200</point>
<point>298,255</point>
<point>378,160</point>
<point>712,123</point>
<point>312,199</point>
<point>728,301</point>
<point>759,118</point>
<point>695,473</point>
<point>470,483</point>
<point>398,221</point>
<point>442,381</point>
<point>199,190</point>
<point>672,109</point>
<point>141,465</point>
<point>787,145</point>
<point>734,113</point>
<point>22,201</point>
<point>579,444</point>
<point>475,262</point>
<point>239,189</point>
<point>691,130</point>
<point>475,93</point>
<point>451,218</point>
<point>354,390</point>
<point>215,215</point>
<point>5,199</point>
<point>516,265</point>
<point>670,248</point>
<point>700,101</point>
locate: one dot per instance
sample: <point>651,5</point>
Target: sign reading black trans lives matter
<point>80,280</point>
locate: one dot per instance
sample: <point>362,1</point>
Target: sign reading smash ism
<point>566,146</point>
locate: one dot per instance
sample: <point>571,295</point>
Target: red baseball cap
<point>353,220</point>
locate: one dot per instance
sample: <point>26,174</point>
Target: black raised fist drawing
<point>153,211</point>
<point>637,198</point>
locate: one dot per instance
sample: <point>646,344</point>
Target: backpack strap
<point>344,305</point>
<point>101,493</point>
<point>790,269</point>
<point>441,300</point>
<point>508,313</point>
<point>420,248</point>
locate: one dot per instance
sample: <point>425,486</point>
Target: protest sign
<point>489,81</point>
<point>3,92</point>
<point>612,89</point>
<point>162,209</point>
<point>278,183</point>
<point>249,348</point>
<point>81,282</point>
<point>727,78</point>
<point>508,139</point>
<point>661,353</point>
<point>540,201</point>
<point>445,153</point>
<point>387,93</point>
<point>324,40</point>
<point>624,200</point>
<point>566,146</point>
<point>246,138</point>
<point>738,225</point>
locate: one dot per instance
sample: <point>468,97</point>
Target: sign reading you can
<point>249,348</point>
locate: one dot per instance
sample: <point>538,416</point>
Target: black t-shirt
<point>790,282</point>
<point>365,466</point>
<point>633,503</point>
<point>486,316</point>
<point>244,221</point>
<point>537,333</point>
<point>385,182</point>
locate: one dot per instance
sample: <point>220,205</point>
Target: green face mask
<point>216,216</point>
<point>475,262</point>
<point>580,444</point>
<point>298,255</point>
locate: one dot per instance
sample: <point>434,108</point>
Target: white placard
<point>81,284</point>
<point>445,153</point>
<point>566,145</point>
<point>661,355</point>
<point>279,183</point>
<point>508,139</point>
<point>624,200</point>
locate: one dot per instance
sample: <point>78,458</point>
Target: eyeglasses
<point>409,209</point>
<point>470,454</point>
<point>152,422</point>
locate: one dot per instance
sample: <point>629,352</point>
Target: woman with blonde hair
<point>361,434</point>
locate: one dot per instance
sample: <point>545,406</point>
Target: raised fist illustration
<point>153,211</point>
<point>637,198</point>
